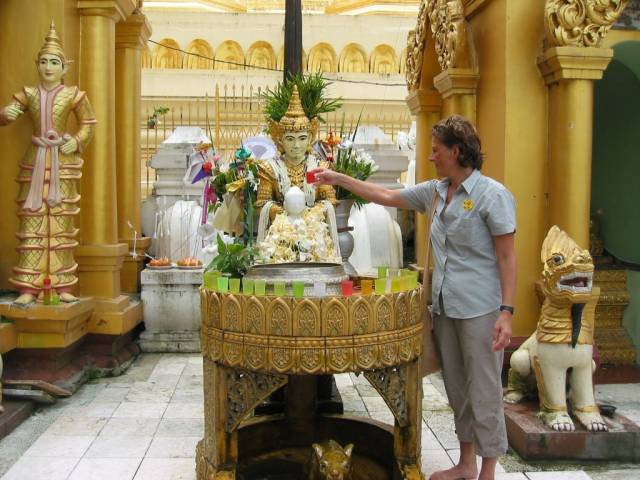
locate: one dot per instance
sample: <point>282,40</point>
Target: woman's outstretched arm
<point>367,190</point>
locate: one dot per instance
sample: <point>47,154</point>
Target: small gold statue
<point>329,461</point>
<point>48,180</point>
<point>293,134</point>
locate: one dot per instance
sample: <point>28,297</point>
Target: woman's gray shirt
<point>465,265</point>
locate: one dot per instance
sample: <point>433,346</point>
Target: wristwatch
<point>507,308</point>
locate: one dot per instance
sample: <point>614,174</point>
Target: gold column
<point>131,36</point>
<point>100,255</point>
<point>569,73</point>
<point>458,87</point>
<point>425,105</point>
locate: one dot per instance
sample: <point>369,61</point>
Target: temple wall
<point>21,42</point>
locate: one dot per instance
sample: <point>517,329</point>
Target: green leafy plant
<point>152,121</point>
<point>234,259</point>
<point>312,90</point>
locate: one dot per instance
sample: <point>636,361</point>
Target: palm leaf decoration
<point>312,91</point>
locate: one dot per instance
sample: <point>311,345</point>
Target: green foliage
<point>234,259</point>
<point>312,91</point>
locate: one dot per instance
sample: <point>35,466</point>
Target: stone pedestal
<point>171,310</point>
<point>535,441</point>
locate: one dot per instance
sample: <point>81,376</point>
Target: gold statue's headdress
<point>52,44</point>
<point>294,119</point>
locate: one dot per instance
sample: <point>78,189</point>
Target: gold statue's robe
<point>47,234</point>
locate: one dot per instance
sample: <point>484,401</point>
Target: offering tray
<point>331,274</point>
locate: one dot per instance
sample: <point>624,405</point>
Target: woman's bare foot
<point>25,299</point>
<point>67,298</point>
<point>459,472</point>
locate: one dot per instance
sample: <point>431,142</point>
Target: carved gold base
<point>50,326</point>
<point>115,316</point>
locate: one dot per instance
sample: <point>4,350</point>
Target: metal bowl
<point>331,274</point>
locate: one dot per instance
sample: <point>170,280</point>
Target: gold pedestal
<point>254,345</point>
<point>49,326</point>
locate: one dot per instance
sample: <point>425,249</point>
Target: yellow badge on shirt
<point>467,204</point>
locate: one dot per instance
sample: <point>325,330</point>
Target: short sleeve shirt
<point>465,265</point>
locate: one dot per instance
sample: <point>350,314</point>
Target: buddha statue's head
<point>52,62</point>
<point>294,202</point>
<point>294,132</point>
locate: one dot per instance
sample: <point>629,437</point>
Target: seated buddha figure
<point>293,135</point>
<point>300,234</point>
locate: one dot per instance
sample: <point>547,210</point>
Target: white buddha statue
<point>300,234</point>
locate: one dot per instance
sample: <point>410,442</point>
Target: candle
<point>234,285</point>
<point>223,284</point>
<point>298,289</point>
<point>347,288</point>
<point>366,287</point>
<point>247,286</point>
<point>260,287</point>
<point>381,286</point>
<point>279,288</point>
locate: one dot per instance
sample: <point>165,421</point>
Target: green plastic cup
<point>247,286</point>
<point>298,289</point>
<point>279,288</point>
<point>381,286</point>
<point>223,284</point>
<point>234,285</point>
<point>210,279</point>
<point>382,272</point>
<point>260,287</point>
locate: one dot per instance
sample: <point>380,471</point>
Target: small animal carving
<point>329,461</point>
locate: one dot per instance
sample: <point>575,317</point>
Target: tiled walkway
<point>145,424</point>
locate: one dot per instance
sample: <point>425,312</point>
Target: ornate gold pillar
<point>569,73</point>
<point>458,88</point>
<point>131,37</point>
<point>425,105</point>
<point>100,255</point>
<point>570,63</point>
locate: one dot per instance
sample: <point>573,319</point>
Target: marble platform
<point>171,310</point>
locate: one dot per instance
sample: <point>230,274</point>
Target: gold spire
<point>295,119</point>
<point>52,44</point>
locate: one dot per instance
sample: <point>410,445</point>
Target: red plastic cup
<point>311,176</point>
<point>347,288</point>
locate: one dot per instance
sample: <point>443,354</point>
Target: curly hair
<point>457,130</point>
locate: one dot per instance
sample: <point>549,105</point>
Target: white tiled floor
<point>145,425</point>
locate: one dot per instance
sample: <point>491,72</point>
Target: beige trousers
<point>471,372</point>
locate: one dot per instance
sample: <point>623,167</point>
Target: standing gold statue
<point>48,180</point>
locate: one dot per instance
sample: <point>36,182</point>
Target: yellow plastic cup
<point>234,285</point>
<point>396,284</point>
<point>366,287</point>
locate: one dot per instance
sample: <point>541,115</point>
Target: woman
<point>474,278</point>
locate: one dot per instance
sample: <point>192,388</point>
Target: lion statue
<point>563,339</point>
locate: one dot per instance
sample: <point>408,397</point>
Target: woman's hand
<point>69,147</point>
<point>502,332</point>
<point>324,176</point>
<point>12,112</point>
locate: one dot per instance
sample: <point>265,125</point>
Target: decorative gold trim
<point>311,335</point>
<point>580,23</point>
